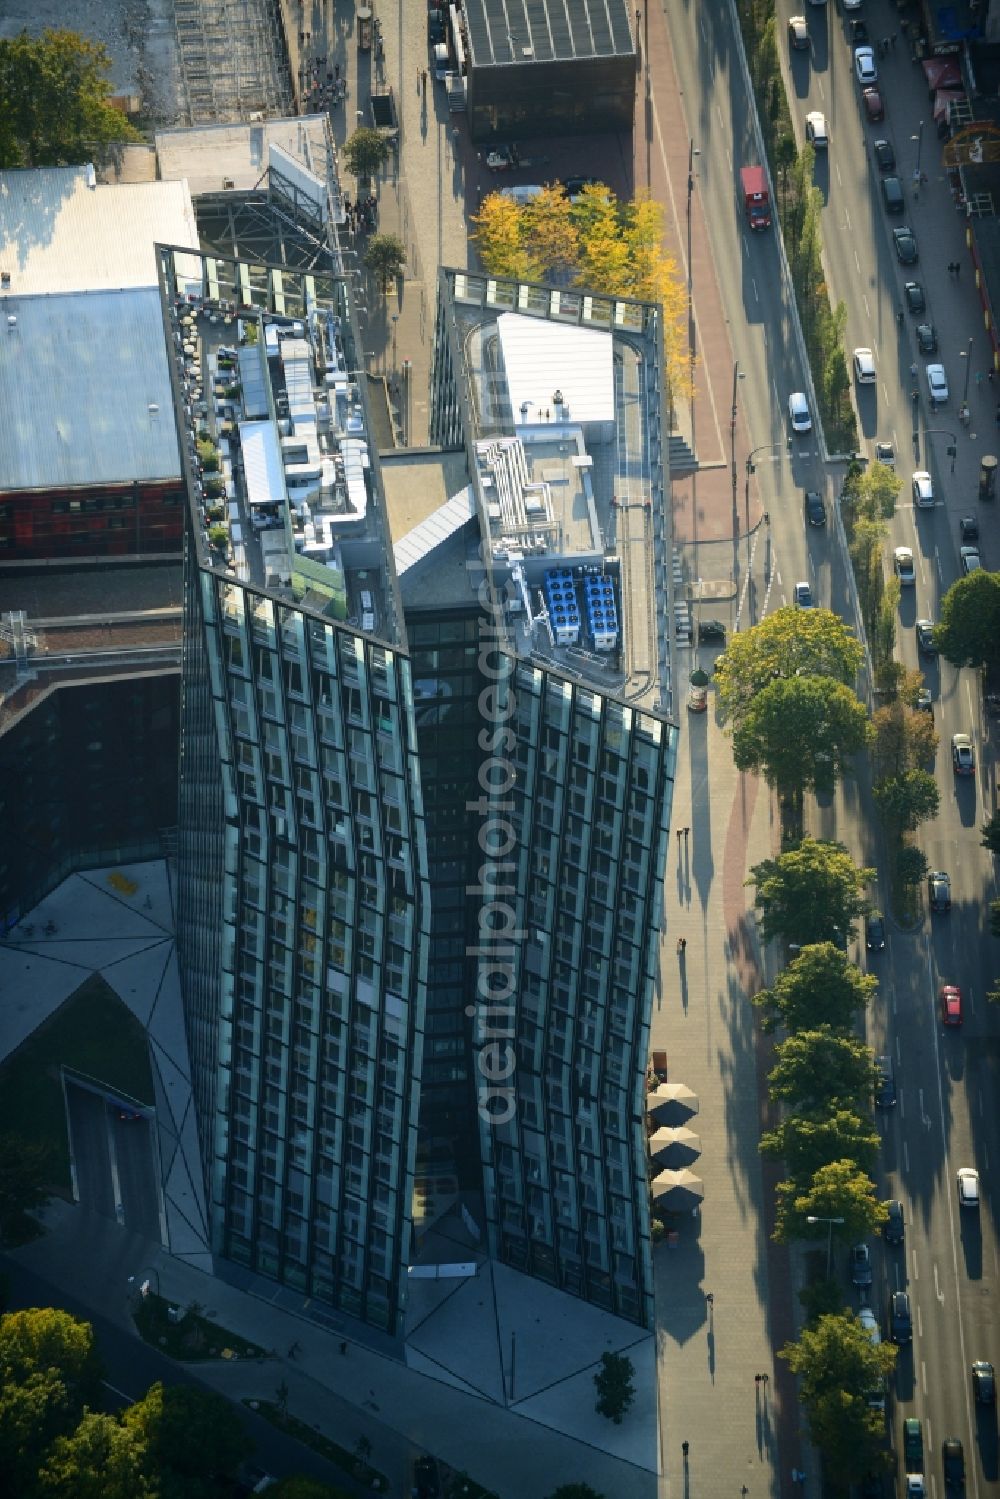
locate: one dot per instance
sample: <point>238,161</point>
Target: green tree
<point>995,918</point>
<point>549,234</point>
<point>865,549</point>
<point>787,643</point>
<point>499,237</point>
<point>48,1373</point>
<point>969,630</point>
<point>99,1460</point>
<point>838,1366</point>
<point>615,1390</point>
<point>807,1142</point>
<point>385,257</point>
<point>800,732</point>
<point>603,252</point>
<point>991,834</point>
<point>903,739</point>
<point>911,866</point>
<point>907,800</point>
<point>365,153</point>
<point>839,1190</point>
<point>25,1171</point>
<point>810,893</point>
<point>816,1068</point>
<point>194,1440</point>
<point>54,107</point>
<point>821,987</point>
<point>822,1298</point>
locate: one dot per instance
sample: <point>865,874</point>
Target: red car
<point>874,108</point>
<point>951,1004</point>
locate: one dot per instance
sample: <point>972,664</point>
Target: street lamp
<point>692,153</point>
<point>919,138</point>
<point>767,447</point>
<point>395,320</point>
<point>967,356</point>
<point>952,448</point>
<point>737,377</point>
<point>829,1241</point>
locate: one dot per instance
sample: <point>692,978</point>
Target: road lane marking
<point>857,262</point>
<point>906,1156</point>
<point>920,1325</point>
<point>753,283</point>
<point>847,218</point>
<point>925,1118</point>
<point>916,1269</point>
<point>937,1285</point>
<point>836,168</point>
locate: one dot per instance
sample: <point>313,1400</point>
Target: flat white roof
<point>208,156</point>
<point>262,463</point>
<point>435,530</point>
<point>60,234</point>
<point>78,376</point>
<point>541,357</point>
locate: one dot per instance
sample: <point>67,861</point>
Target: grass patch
<point>92,1032</point>
<point>194,1338</point>
<point>348,1462</point>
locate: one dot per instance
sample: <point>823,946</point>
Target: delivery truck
<point>756,198</point>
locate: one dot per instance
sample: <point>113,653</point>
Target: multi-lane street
<point>946,1115</point>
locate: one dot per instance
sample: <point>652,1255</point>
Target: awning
<point>941,72</point>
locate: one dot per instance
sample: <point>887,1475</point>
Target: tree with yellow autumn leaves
<point>598,243</point>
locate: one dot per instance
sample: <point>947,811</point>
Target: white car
<point>937,384</point>
<point>816,131</point>
<point>864,65</point>
<point>798,412</point>
<point>923,490</point>
<point>971,559</point>
<point>864,366</point>
<point>903,562</point>
<point>968,1187</point>
<point>803,596</point>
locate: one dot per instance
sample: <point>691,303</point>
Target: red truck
<point>756,198</point>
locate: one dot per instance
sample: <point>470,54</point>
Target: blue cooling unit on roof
<point>602,615</point>
<point>564,611</point>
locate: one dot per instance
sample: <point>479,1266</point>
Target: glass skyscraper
<point>421,838</point>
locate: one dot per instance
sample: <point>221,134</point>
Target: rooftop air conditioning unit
<point>228,184</point>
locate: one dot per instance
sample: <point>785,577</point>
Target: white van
<point>236,535</point>
<point>522,195</point>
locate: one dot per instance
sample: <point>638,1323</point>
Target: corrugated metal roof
<point>541,357</point>
<point>78,375</point>
<point>435,530</point>
<point>265,478</point>
<point>57,234</point>
<point>529,31</point>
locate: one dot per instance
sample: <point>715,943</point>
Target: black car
<point>885,156</point>
<point>711,629</point>
<point>953,1463</point>
<point>435,28</point>
<point>859,34</point>
<point>893,1228</point>
<point>969,528</point>
<point>892,195</point>
<point>875,932</point>
<point>426,1481</point>
<point>984,1384</point>
<point>914,294</point>
<point>900,1318</point>
<point>925,637</point>
<point>885,1084</point>
<point>939,890</point>
<point>927,340</point>
<point>905,242</point>
<point>815,508</point>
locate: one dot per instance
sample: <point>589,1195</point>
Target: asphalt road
<point>946,1117</point>
<point>131,1366</point>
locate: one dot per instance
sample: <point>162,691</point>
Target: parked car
<point>925,637</point>
<point>963,757</point>
<point>984,1385</point>
<point>927,340</point>
<point>711,629</point>
<point>900,1317</point>
<point>968,528</point>
<point>871,98</point>
<point>914,294</point>
<point>798,412</point>
<point>885,156</point>
<point>864,366</point>
<point>892,195</point>
<point>913,1445</point>
<point>426,1479</point>
<point>816,131</point>
<point>923,490</point>
<point>939,890</point>
<point>885,1083</point>
<point>968,1187</point>
<point>902,561</point>
<point>950,1000</point>
<point>937,384</point>
<point>874,932</point>
<point>803,596</point>
<point>905,242</point>
<point>953,1463</point>
<point>815,508</point>
<point>893,1228</point>
<point>861,1265</point>
<point>864,65</point>
<point>858,33</point>
<point>970,559</point>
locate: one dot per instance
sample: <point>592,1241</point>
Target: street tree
<point>995,918</point>
<point>865,549</point>
<point>838,1366</point>
<point>48,1372</point>
<point>840,1190</point>
<point>811,893</point>
<point>25,1171</point>
<point>603,264</point>
<point>991,834</point>
<point>882,638</point>
<point>907,800</point>
<point>100,1459</point>
<point>549,234</point>
<point>911,865</point>
<point>789,642</point>
<point>365,153</point>
<point>807,1142</point>
<point>872,491</point>
<point>615,1390</point>
<point>54,89</point>
<point>903,739</point>
<point>817,1068</point>
<point>821,987</point>
<point>800,733</point>
<point>652,276</point>
<point>968,633</point>
<point>385,257</point>
<point>194,1440</point>
<point>500,241</point>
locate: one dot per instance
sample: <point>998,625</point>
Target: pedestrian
<point>293,1350</point>
<point>892,40</point>
<point>709,1297</point>
<point>686,832</point>
<point>756,1380</point>
<point>343,1348</point>
<point>336,71</point>
<point>679,832</point>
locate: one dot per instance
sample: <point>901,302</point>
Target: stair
<point>680,456</point>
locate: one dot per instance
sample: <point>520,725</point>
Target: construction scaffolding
<point>234,61</point>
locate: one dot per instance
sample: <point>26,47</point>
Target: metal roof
<point>265,478</point>
<point>61,231</point>
<point>435,530</point>
<point>542,357</point>
<point>210,156</point>
<point>85,394</point>
<point>530,31</point>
